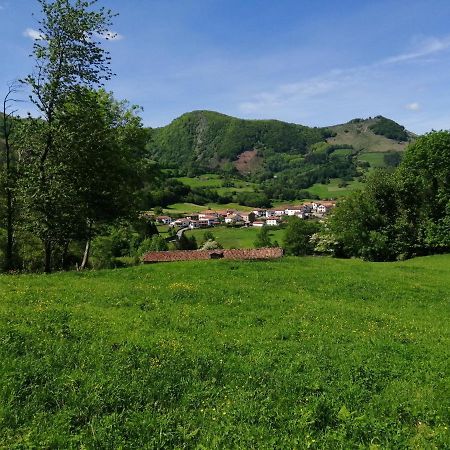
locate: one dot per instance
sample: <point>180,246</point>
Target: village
<point>258,217</point>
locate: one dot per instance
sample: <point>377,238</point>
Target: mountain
<point>206,140</point>
<point>202,141</point>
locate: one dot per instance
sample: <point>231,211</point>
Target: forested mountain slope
<point>206,140</point>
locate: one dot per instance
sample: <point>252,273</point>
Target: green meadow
<point>187,208</point>
<point>294,353</point>
<point>236,237</point>
<point>332,189</point>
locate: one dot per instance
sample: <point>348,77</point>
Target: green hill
<point>202,141</point>
<point>209,140</point>
<point>366,135</point>
<point>295,353</point>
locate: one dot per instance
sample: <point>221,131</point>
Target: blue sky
<point>315,63</point>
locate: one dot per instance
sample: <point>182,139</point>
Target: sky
<point>316,63</point>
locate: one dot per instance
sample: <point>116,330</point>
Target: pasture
<point>295,353</point>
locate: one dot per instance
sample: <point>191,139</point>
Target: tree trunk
<point>9,232</point>
<point>48,257</point>
<point>64,256</point>
<point>7,124</point>
<point>87,249</point>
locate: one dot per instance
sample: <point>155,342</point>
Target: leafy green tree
<point>297,238</point>
<point>102,156</point>
<point>263,238</point>
<point>186,243</point>
<point>424,178</point>
<point>67,56</point>
<point>154,244</point>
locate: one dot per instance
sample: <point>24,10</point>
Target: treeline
<point>288,177</point>
<point>202,140</point>
<point>390,129</point>
<point>79,166</point>
<point>398,214</point>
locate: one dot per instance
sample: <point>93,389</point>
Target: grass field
<point>215,182</point>
<point>186,208</point>
<point>235,237</point>
<point>375,159</point>
<point>295,353</point>
<point>332,189</point>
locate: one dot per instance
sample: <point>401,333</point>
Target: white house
<point>294,210</point>
<point>182,223</point>
<point>233,218</point>
<point>165,220</point>
<point>259,212</point>
<point>258,224</point>
<point>273,221</point>
<point>279,212</point>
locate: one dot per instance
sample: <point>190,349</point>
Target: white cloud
<point>338,79</point>
<point>414,106</point>
<point>32,34</point>
<point>425,48</point>
<point>110,36</point>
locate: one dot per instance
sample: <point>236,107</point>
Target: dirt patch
<point>248,162</point>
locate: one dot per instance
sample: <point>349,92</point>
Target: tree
<point>185,243</point>
<point>424,179</point>
<point>103,154</point>
<point>297,239</point>
<point>154,244</point>
<point>67,56</point>
<point>9,173</point>
<point>263,238</point>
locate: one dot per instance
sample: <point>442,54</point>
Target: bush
<point>297,238</point>
<point>154,244</point>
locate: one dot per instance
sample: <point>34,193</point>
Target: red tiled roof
<point>188,255</point>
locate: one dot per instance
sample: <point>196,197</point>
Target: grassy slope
<point>215,182</point>
<point>363,139</point>
<point>332,189</point>
<point>301,353</point>
<point>236,237</point>
<point>186,208</point>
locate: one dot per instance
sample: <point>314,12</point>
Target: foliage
<point>68,62</point>
<point>210,245</point>
<point>297,239</point>
<point>399,214</point>
<point>389,129</point>
<point>154,244</point>
<point>186,243</point>
<point>226,354</point>
<point>263,238</point>
<point>392,159</point>
<point>195,140</point>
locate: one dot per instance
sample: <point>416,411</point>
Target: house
<point>294,210</point>
<point>181,223</point>
<point>279,212</point>
<point>259,212</point>
<point>323,207</point>
<point>247,217</point>
<point>259,224</point>
<point>165,220</point>
<point>233,218</point>
<point>204,223</point>
<point>270,212</point>
<point>273,221</point>
<point>208,214</point>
